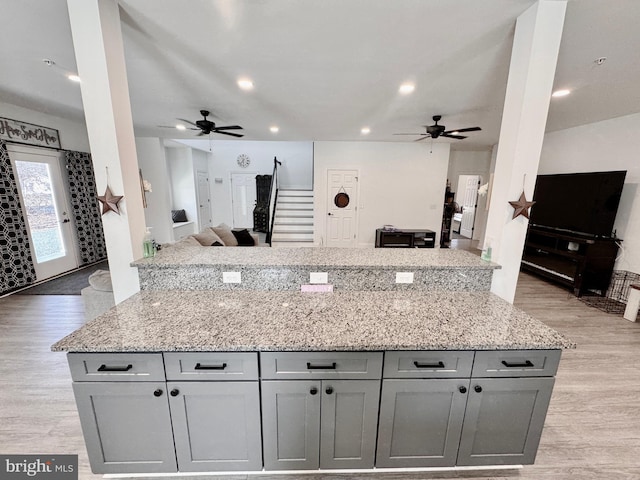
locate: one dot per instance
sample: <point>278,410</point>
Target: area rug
<point>69,284</point>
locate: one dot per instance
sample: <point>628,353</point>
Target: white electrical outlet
<point>404,277</point>
<point>318,277</point>
<point>231,277</point>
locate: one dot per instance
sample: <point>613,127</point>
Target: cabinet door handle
<point>175,392</point>
<point>428,365</point>
<point>321,367</point>
<point>517,365</point>
<point>199,366</point>
<point>313,391</point>
<point>329,390</point>
<point>478,388</point>
<point>104,368</point>
<point>462,389</point>
<point>158,392</point>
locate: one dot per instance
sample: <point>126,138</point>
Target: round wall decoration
<point>341,199</point>
<point>244,160</point>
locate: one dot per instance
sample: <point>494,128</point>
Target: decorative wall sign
<point>341,200</point>
<point>521,206</point>
<point>22,132</point>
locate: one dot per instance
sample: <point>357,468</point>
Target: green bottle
<point>148,245</point>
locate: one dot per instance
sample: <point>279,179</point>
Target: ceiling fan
<point>207,126</point>
<point>435,131</point>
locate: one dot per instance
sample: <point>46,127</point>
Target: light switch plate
<point>231,277</point>
<point>318,277</point>
<point>404,277</point>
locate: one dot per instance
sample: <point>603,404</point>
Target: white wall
<point>609,145</point>
<point>153,163</point>
<point>73,135</point>
<point>296,170</point>
<point>181,173</point>
<point>471,162</point>
<point>401,184</point>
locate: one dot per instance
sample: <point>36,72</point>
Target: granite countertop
<point>316,257</point>
<point>161,321</point>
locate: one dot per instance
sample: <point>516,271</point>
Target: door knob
<point>329,213</point>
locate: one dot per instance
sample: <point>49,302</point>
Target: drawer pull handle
<point>428,365</point>
<point>104,368</point>
<point>517,365</point>
<point>321,367</point>
<point>199,366</point>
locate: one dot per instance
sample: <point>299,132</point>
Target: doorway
<point>342,216</point>
<point>243,199</point>
<point>467,198</point>
<point>204,200</point>
<point>45,207</point>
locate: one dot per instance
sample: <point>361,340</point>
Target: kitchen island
<point>287,381</point>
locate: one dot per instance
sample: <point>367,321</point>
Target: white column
<point>531,73</point>
<point>97,39</point>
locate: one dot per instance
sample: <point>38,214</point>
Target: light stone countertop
<point>347,258</point>
<point>164,321</point>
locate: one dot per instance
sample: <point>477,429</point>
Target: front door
<point>204,200</point>
<point>468,198</point>
<point>342,216</point>
<point>45,205</point>
<point>243,191</point>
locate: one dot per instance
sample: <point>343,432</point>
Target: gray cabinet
<point>126,426</point>
<point>420,422</point>
<point>319,424</point>
<point>504,419</point>
<point>216,425</point>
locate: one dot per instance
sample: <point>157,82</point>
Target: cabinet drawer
<point>516,363</point>
<point>211,366</point>
<point>116,367</point>
<point>425,364</point>
<point>305,365</point>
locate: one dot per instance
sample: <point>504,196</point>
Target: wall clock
<point>244,160</point>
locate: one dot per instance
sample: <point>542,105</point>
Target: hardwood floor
<point>592,429</point>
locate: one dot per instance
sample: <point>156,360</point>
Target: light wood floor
<point>592,429</point>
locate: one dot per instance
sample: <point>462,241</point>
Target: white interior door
<point>342,223</point>
<point>467,198</point>
<point>45,206</point>
<point>204,200</point>
<point>243,198</point>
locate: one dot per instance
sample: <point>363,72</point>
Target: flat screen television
<point>584,203</point>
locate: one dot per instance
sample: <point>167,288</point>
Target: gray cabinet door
<point>420,422</point>
<point>216,425</point>
<point>348,423</point>
<point>126,426</point>
<point>504,420</point>
<point>291,424</point>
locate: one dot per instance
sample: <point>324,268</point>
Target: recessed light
<point>245,84</point>
<point>560,93</point>
<point>274,129</point>
<point>365,131</point>
<point>73,78</point>
<point>406,88</point>
<point>181,127</point>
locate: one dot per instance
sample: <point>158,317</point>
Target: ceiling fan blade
<point>201,133</point>
<point>461,130</point>
<point>448,135</point>
<point>230,127</point>
<point>187,121</point>
<point>423,138</point>
<point>409,134</point>
<point>227,133</point>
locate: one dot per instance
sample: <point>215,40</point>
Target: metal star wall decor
<point>521,206</point>
<point>110,201</point>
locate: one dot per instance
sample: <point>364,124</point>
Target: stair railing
<point>273,198</point>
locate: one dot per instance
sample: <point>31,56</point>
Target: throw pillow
<point>217,244</point>
<point>225,234</point>
<point>208,237</point>
<point>244,238</point>
<point>101,280</point>
<point>179,216</point>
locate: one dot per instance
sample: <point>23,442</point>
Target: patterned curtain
<point>15,251</point>
<point>85,206</point>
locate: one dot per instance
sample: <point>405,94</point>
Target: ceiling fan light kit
<point>206,127</point>
<point>436,131</point>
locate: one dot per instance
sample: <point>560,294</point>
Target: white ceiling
<point>323,69</point>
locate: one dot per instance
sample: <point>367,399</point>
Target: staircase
<point>293,219</point>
